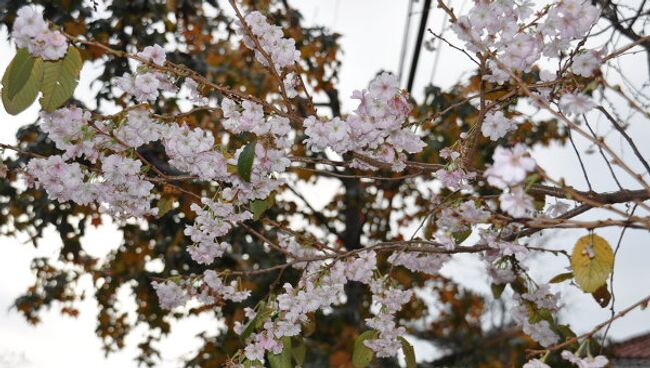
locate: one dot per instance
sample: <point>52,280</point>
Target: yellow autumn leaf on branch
<point>592,261</point>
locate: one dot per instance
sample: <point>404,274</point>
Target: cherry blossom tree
<point>438,187</point>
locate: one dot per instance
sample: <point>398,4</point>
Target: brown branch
<point>319,215</point>
<point>182,71</point>
<point>267,57</point>
<point>641,303</point>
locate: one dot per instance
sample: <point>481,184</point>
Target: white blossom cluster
<point>138,129</point>
<point>208,290</point>
<point>146,84</point>
<point>316,290</point>
<point>63,181</point>
<point>219,288</point>
<point>499,266</point>
<point>390,301</point>
<point>375,130</point>
<point>193,151</point>
<point>495,125</point>
<point>291,84</point>
<point>499,27</point>
<point>323,286</point>
<point>589,361</point>
<point>281,50</point>
<point>543,298</point>
<point>508,172</point>
<point>124,192</point>
<point>361,268</point>
<point>170,294</point>
<point>119,187</point>
<point>539,331</point>
<point>460,217</point>
<point>504,29</point>
<point>32,32</point>
<point>576,103</point>
<point>70,131</point>
<point>295,252</point>
<point>420,262</point>
<point>453,175</point>
<point>214,220</point>
<point>195,96</point>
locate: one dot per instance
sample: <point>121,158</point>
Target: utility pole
<point>418,44</point>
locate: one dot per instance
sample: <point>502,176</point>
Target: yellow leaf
<point>592,261</point>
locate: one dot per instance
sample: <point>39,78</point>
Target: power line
<point>405,39</point>
<point>438,49</point>
<point>442,44</point>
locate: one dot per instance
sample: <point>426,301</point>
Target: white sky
<point>372,37</point>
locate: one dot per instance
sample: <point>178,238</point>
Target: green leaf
<point>18,95</point>
<point>566,333</point>
<point>532,179</point>
<point>409,352</point>
<point>298,350</point>
<point>497,290</point>
<point>519,285</point>
<point>248,329</point>
<point>165,205</point>
<point>539,201</point>
<point>250,364</point>
<point>282,360</point>
<point>537,315</point>
<point>561,277</point>
<point>263,313</point>
<point>18,72</point>
<point>259,206</point>
<point>60,79</point>
<point>363,355</point>
<point>245,161</point>
<point>460,236</point>
<point>592,261</point>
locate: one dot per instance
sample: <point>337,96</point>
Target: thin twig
<point>640,303</point>
<point>454,46</point>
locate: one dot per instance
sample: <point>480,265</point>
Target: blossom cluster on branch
<point>32,32</point>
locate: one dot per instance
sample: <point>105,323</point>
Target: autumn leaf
<point>592,261</point>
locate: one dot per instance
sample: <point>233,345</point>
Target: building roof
<point>634,348</point>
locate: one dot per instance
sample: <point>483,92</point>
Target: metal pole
<point>418,44</point>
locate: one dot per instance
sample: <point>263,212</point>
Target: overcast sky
<point>372,38</point>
